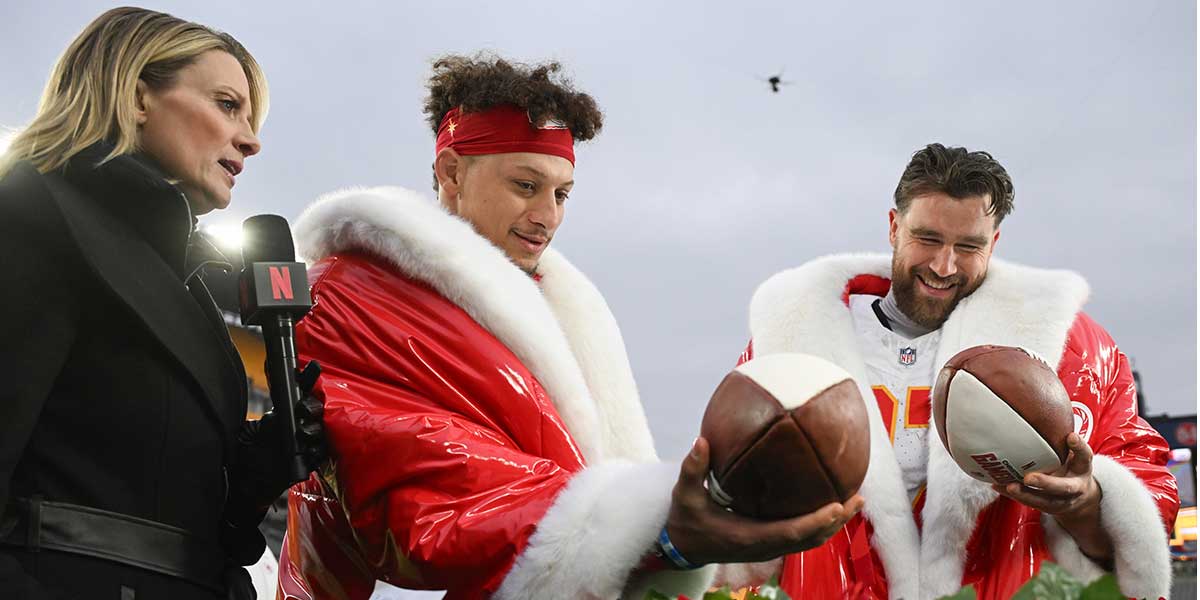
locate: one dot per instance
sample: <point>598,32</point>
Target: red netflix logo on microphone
<point>273,286</point>
<point>281,283</point>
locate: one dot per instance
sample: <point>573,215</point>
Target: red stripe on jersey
<point>747,354</point>
<point>889,408</point>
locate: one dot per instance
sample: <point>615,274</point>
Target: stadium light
<point>6,137</point>
<point>227,235</point>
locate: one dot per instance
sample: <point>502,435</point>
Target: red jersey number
<point>916,408</point>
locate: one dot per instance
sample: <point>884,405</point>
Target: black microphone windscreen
<point>267,238</point>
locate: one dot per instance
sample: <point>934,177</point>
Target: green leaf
<point>656,595</point>
<point>966,593</point>
<point>1104,588</point>
<point>721,594</point>
<point>1051,583</point>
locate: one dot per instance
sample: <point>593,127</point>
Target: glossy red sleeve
<point>1139,495</point>
<point>446,451</point>
<point>1122,434</point>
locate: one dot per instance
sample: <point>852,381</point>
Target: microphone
<point>273,294</point>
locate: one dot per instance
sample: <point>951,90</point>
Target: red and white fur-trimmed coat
<point>486,431</point>
<point>804,310</point>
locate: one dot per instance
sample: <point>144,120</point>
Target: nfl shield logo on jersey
<point>908,356</point>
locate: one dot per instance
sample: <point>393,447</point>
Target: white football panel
<point>791,377</point>
<point>979,424</point>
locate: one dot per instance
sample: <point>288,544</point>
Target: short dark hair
<point>958,173</point>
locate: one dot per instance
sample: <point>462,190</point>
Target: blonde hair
<point>91,94</point>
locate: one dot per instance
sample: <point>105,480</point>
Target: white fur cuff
<point>1127,512</point>
<point>599,529</point>
<point>740,575</point>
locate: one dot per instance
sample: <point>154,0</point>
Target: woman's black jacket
<point>120,389</point>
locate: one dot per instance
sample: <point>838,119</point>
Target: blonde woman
<point>127,469</point>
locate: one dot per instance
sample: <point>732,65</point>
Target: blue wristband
<point>671,553</point>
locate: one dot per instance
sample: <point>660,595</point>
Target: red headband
<point>501,129</point>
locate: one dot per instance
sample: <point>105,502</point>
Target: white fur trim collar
<point>563,331</point>
<point>801,310</point>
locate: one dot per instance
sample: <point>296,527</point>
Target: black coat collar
<point>134,190</point>
<point>133,228</point>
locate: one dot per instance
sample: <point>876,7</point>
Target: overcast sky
<point>704,183</point>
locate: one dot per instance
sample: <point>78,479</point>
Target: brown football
<point>1001,412</point>
<point>787,435</point>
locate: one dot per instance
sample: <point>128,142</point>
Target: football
<point>1001,412</point>
<point>787,434</point>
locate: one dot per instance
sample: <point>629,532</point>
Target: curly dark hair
<point>479,82</point>
<point>959,173</point>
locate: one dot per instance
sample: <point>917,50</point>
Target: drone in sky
<point>775,81</point>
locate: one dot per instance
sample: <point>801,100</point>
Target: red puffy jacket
<point>429,435</point>
<point>486,433</point>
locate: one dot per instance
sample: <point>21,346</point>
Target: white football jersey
<point>901,373</point>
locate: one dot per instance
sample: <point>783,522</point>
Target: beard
<point>922,309</point>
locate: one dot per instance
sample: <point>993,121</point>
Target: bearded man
<point>927,528</point>
<point>486,432</point>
